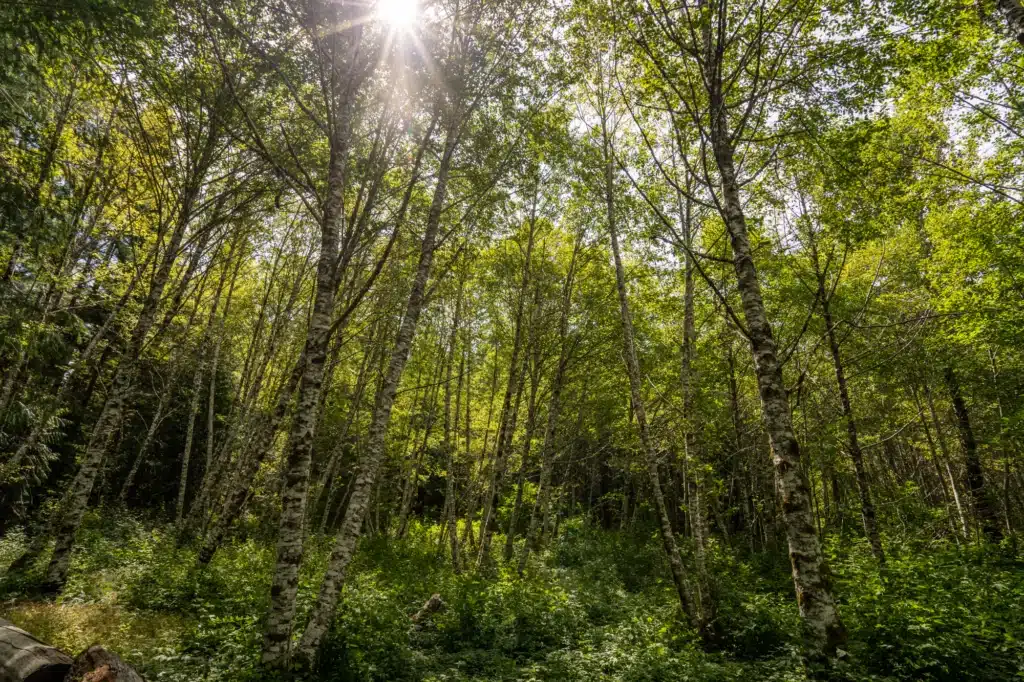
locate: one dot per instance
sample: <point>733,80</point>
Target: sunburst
<point>400,15</point>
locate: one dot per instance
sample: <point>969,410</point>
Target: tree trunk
<point>944,449</point>
<point>824,629</point>
<point>492,494</point>
<point>277,633</point>
<point>154,425</point>
<point>867,506</point>
<point>539,514</point>
<point>327,483</point>
<point>696,505</point>
<point>96,664</point>
<point>531,423</point>
<point>980,499</point>
<point>412,481</point>
<point>186,455</point>
<point>450,443</point>
<point>77,498</point>
<point>362,486</point>
<point>668,538</point>
<point>24,658</point>
<point>512,390</point>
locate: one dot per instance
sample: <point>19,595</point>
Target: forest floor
<point>596,607</point>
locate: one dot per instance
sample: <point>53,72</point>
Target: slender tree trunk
<point>450,443</point>
<point>539,513</point>
<point>211,401</point>
<point>77,498</point>
<point>1002,444</point>
<point>507,428</point>
<point>867,506</point>
<point>668,538</point>
<point>412,481</point>
<point>944,449</point>
<point>980,500</point>
<point>205,361</point>
<point>823,627</point>
<point>327,483</point>
<point>696,505</point>
<point>531,424</point>
<point>363,485</point>
<point>935,462</point>
<point>467,533</point>
<point>512,389</point>
<point>236,487</point>
<point>277,633</point>
<point>197,385</point>
<point>154,425</point>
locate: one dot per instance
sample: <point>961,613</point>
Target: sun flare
<point>399,14</point>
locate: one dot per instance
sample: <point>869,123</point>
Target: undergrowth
<point>598,606</point>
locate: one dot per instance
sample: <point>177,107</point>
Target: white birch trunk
<point>362,486</point>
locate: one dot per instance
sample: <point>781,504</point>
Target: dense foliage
<point>660,340</point>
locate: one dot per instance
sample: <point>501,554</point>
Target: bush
<point>516,617</point>
<point>369,639</point>
<point>941,615</point>
<point>598,606</point>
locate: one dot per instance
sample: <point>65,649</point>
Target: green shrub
<point>369,640</point>
<point>516,617</point>
<point>940,615</point>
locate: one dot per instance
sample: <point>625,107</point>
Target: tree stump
<point>23,658</point>
<point>96,664</point>
<point>431,606</point>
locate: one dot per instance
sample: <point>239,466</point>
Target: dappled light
<point>511,340</point>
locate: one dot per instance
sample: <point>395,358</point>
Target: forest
<point>487,340</point>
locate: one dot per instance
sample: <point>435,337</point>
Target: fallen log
<point>23,658</point>
<point>96,664</point>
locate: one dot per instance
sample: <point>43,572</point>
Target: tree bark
<point>512,388</point>
<point>980,500</point>
<point>539,514</point>
<point>412,480</point>
<point>823,627</point>
<point>362,486</point>
<point>250,460</point>
<point>327,483</point>
<point>668,538</point>
<point>96,664</point>
<point>23,657</point>
<point>77,498</point>
<point>867,506</point>
<point>186,455</point>
<point>450,444</point>
<point>531,424</point>
<point>154,425</point>
<point>704,608</point>
<point>277,633</point>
